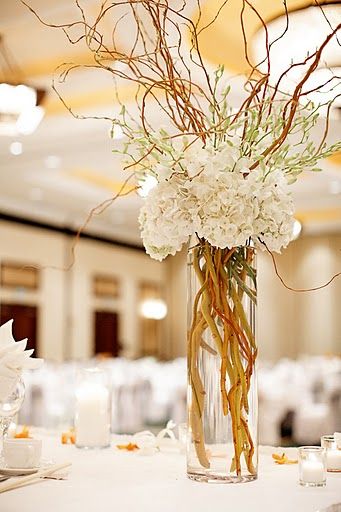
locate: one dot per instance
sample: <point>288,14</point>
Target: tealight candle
<point>333,453</point>
<point>93,415</point>
<point>312,471</point>
<point>312,466</point>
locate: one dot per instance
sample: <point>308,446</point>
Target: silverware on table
<point>32,478</point>
<point>3,478</point>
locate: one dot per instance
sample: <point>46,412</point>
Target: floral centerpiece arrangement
<point>222,177</point>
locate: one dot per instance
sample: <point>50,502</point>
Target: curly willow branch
<point>298,290</point>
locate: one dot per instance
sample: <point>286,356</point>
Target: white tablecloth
<point>113,481</point>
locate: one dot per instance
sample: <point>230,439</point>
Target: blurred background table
<point>299,400</point>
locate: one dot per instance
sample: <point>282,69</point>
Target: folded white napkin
<point>13,360</point>
<point>164,441</point>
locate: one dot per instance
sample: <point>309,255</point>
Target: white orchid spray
<point>214,191</point>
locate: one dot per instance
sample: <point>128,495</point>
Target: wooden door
<point>25,323</point>
<point>106,333</point>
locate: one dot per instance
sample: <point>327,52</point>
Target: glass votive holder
<point>333,454</point>
<point>93,408</point>
<point>312,466</point>
<point>182,433</point>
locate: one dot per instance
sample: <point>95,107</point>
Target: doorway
<point>106,333</point>
<point>24,325</point>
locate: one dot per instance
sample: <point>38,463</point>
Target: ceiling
<point>84,172</point>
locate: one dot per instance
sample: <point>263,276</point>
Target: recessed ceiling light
<point>16,148</point>
<point>52,162</point>
<point>335,187</point>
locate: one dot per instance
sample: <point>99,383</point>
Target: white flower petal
<point>6,336</point>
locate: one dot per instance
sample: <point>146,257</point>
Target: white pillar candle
<point>333,460</point>
<point>92,419</point>
<point>312,471</point>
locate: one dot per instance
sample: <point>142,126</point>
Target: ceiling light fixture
<point>307,29</point>
<point>155,309</point>
<point>15,148</point>
<point>20,104</point>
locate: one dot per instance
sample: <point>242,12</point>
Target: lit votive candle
<point>333,453</point>
<point>312,466</point>
<point>93,411</point>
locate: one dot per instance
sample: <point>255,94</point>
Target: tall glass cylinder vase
<point>222,387</point>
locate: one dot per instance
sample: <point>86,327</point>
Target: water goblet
<point>10,406</point>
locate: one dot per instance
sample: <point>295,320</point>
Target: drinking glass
<point>10,407</point>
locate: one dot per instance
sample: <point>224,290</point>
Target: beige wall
<point>131,267</point>
<point>44,249</point>
<point>289,323</point>
<point>318,314</point>
<point>176,325</point>
<point>65,300</point>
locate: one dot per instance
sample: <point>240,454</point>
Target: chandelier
<point>20,104</point>
<point>305,30</point>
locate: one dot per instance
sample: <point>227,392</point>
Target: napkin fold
<point>164,441</point>
<point>14,358</point>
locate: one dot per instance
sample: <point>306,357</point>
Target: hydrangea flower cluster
<point>214,194</point>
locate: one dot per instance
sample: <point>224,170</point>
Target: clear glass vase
<point>222,441</point>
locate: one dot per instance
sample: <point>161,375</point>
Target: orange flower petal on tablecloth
<point>283,459</point>
<point>130,447</point>
<point>23,434</point>
<point>69,437</point>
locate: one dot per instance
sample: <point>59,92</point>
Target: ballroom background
<point>114,302</point>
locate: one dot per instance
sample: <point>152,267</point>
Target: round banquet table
<point>111,480</point>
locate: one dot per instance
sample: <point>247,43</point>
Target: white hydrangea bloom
<point>223,214</point>
<point>165,222</point>
<point>274,223</point>
<point>211,160</point>
<point>212,192</point>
